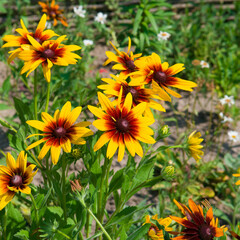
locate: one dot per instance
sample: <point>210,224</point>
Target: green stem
<point>35,209</point>
<point>87,225</point>
<point>64,187</point>
<point>48,96</point>
<point>63,234</point>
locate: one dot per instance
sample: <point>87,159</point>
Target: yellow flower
<point>237,175</point>
<point>59,131</point>
<point>194,146</point>
<point>197,226</point>
<point>123,126</point>
<point>125,61</point>
<point>15,177</point>
<point>53,12</point>
<point>17,41</point>
<point>49,53</point>
<point>160,75</point>
<point>154,232</point>
<point>117,86</point>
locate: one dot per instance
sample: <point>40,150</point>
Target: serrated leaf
<point>22,234</point>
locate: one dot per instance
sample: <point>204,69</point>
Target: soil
<point>183,106</point>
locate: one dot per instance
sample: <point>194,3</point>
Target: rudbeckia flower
<point>160,75</point>
<point>117,86</point>
<point>196,225</point>
<point>194,146</point>
<point>49,53</point>
<point>154,232</point>
<point>237,175</point>
<point>17,41</point>
<point>59,131</point>
<point>122,126</point>
<point>15,177</point>
<point>125,61</point>
<point>53,12</point>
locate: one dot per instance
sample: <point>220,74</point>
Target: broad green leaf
<point>140,232</point>
<point>117,181</point>
<point>22,234</point>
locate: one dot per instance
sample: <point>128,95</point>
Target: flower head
<point>122,126</point>
<point>194,146</point>
<point>53,12</point>
<point>87,42</point>
<point>154,232</point>
<point>101,18</point>
<point>47,54</point>
<point>118,86</point>
<point>15,177</point>
<point>227,100</point>
<point>196,225</point>
<point>204,64</point>
<point>79,11</point>
<point>124,60</point>
<point>60,131</point>
<point>17,41</point>
<point>163,36</point>
<point>233,136</point>
<point>151,70</point>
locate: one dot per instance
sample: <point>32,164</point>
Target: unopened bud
<point>76,153</point>
<point>76,185</point>
<point>168,172</point>
<point>164,132</point>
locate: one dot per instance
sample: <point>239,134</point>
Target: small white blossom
<point>204,64</point>
<point>225,118</point>
<point>87,42</point>
<point>48,25</point>
<point>163,36</point>
<point>233,136</point>
<point>101,18</point>
<point>227,100</point>
<point>79,11</point>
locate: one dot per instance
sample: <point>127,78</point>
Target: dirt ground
<point>182,106</point>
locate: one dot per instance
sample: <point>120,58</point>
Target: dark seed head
<point>16,180</point>
<point>48,53</point>
<point>130,64</point>
<point>205,232</point>
<point>132,90</point>
<point>160,77</point>
<point>59,132</point>
<point>122,125</point>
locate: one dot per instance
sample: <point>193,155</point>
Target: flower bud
<point>168,172</point>
<point>76,153</point>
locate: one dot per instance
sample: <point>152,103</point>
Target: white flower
<point>225,118</point>
<point>101,17</point>
<point>163,36</point>
<point>87,42</point>
<point>233,136</point>
<point>48,25</point>
<point>79,11</point>
<point>204,64</point>
<point>227,100</point>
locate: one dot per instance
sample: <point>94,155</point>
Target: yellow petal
<point>35,144</point>
<point>21,161</point>
<point>11,163</point>
<point>55,152</point>
<point>105,137</point>
<point>65,111</point>
<point>26,190</point>
<point>67,146</point>
<point>36,124</point>
<point>74,115</point>
<point>6,198</point>
<point>44,150</point>
<point>112,147</point>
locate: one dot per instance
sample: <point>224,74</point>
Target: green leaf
<point>137,21</point>
<point>117,181</point>
<point>22,234</point>
<point>152,20</point>
<point>23,110</point>
<point>55,210</point>
<point>141,41</point>
<point>140,232</point>
<point>6,86</point>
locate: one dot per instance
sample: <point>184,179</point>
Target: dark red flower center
<point>205,232</point>
<point>52,13</point>
<point>132,90</point>
<point>59,132</point>
<point>48,53</point>
<point>122,125</point>
<point>16,180</point>
<point>130,64</point>
<point>160,77</point>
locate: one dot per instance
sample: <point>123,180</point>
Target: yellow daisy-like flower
<point>122,126</point>
<point>17,41</point>
<point>53,12</point>
<point>125,61</point>
<point>49,53</point>
<point>160,75</point>
<point>60,131</point>
<point>118,86</point>
<point>15,177</point>
<point>154,232</point>
<point>194,146</point>
<point>237,175</point>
